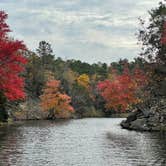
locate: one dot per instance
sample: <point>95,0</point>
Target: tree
<point>54,101</point>
<point>34,75</point>
<point>44,49</point>
<point>11,65</point>
<point>81,100</point>
<point>81,67</point>
<point>163,35</point>
<point>152,37</point>
<point>45,52</point>
<point>121,92</point>
<point>68,79</point>
<point>151,33</point>
<point>83,80</point>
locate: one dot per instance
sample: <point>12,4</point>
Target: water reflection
<point>137,148</point>
<point>92,142</point>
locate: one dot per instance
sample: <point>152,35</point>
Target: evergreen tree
<point>45,52</point>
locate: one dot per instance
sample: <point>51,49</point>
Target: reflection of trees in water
<point>150,147</point>
<point>38,140</point>
<point>17,140</point>
<point>158,146</point>
<point>9,145</point>
<point>47,123</point>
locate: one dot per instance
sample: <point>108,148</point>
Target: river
<point>81,142</point>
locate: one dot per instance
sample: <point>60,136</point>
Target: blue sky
<point>88,30</point>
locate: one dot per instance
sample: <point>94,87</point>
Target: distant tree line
<point>71,88</point>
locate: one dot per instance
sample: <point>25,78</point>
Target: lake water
<point>82,142</point>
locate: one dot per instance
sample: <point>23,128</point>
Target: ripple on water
<point>83,142</point>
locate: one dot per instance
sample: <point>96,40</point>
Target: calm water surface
<point>83,142</point>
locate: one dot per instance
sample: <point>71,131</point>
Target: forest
<point>57,111</point>
<point>41,85</point>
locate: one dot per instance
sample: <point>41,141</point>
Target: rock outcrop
<point>149,119</point>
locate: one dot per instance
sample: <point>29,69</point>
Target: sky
<point>86,30</point>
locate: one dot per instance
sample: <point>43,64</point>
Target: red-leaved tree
<point>121,92</point>
<point>11,63</point>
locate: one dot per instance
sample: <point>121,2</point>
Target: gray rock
<point>125,125</point>
<point>152,119</point>
<point>140,124</point>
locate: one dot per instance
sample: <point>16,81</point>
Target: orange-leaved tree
<point>121,92</point>
<point>54,101</point>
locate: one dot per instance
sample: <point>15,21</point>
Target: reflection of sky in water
<point>81,142</point>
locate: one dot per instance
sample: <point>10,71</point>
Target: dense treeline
<point>78,79</point>
<point>57,88</point>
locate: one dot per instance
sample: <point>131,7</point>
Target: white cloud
<point>110,40</point>
<point>82,29</point>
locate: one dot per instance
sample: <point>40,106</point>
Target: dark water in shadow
<point>83,142</point>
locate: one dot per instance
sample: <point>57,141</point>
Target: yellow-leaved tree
<point>84,81</point>
<point>55,102</point>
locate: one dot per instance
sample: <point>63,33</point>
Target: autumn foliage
<point>83,80</point>
<point>163,36</point>
<point>55,101</point>
<point>11,63</point>
<point>121,92</point>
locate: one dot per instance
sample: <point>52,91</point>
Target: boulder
<point>140,124</point>
<point>143,119</point>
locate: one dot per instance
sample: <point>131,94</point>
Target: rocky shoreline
<point>151,119</point>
